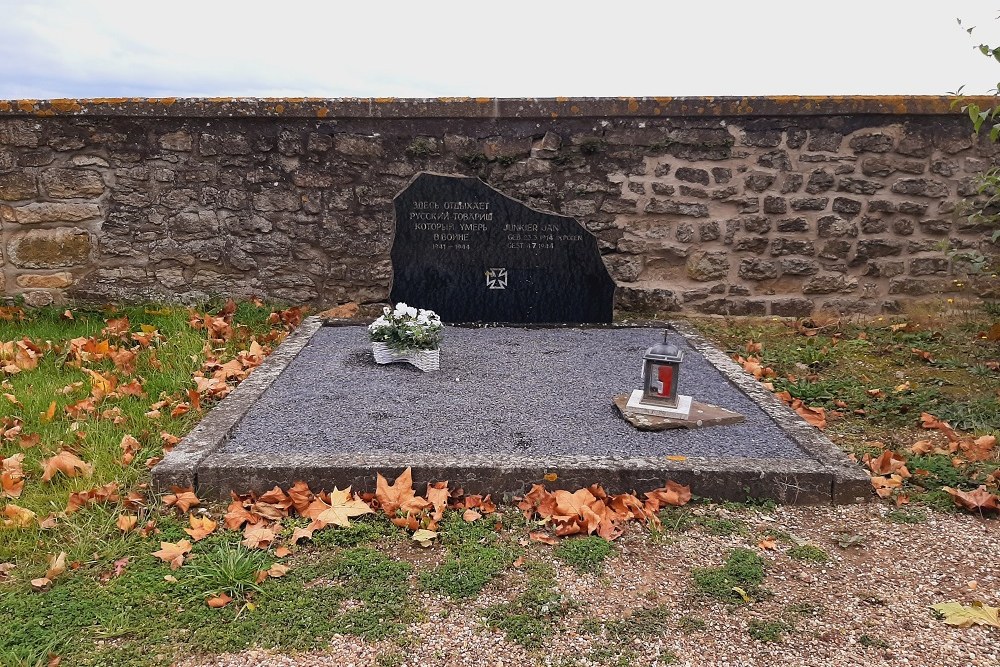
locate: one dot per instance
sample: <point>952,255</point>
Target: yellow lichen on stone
<point>65,105</point>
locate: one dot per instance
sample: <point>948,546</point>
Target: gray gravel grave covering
<point>500,392</point>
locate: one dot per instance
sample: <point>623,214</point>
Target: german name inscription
<point>473,254</point>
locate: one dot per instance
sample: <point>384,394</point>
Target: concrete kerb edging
<point>790,481</point>
<point>850,483</point>
<point>180,466</point>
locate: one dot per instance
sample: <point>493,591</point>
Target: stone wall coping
<point>493,107</point>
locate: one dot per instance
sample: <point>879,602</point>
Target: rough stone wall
<point>697,206</point>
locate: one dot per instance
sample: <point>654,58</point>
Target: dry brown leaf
<point>671,493</point>
<point>282,552</point>
<point>258,537</point>
<point>392,497</point>
<point>67,463</point>
<point>437,495</point>
<point>218,601</point>
<point>130,447</point>
<point>201,527</point>
<point>182,498</point>
<point>471,515</point>
<point>173,553</point>
<point>300,534</point>
<point>57,565</point>
<point>978,500</point>
<point>301,496</point>
<point>126,522</point>
<point>11,476</point>
<point>342,312</point>
<point>237,515</point>
<point>889,462</point>
<point>544,538</point>
<point>277,570</point>
<point>884,486</point>
<point>342,508</point>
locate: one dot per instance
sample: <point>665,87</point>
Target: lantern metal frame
<point>661,365</point>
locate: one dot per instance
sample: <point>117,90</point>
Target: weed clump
<point>738,581</point>
<point>533,614</point>
<point>585,554</point>
<point>767,631</point>
<point>809,553</point>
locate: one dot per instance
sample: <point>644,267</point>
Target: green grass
<point>642,622</point>
<point>767,631</point>
<point>809,553</point>
<point>165,369</point>
<point>743,570</point>
<point>230,569</point>
<point>906,516</point>
<point>534,614</point>
<point>688,624</point>
<point>585,554</point>
<point>875,387</point>
<point>476,555</point>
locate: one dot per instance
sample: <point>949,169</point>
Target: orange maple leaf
<point>130,447</point>
<point>99,494</point>
<point>237,515</point>
<point>126,522</point>
<point>218,601</point>
<point>670,493</point>
<point>572,505</point>
<point>201,527</point>
<point>889,462</point>
<point>544,538</point>
<point>974,501</point>
<point>17,517</point>
<point>437,495</point>
<point>67,463</point>
<point>258,537</point>
<point>11,476</point>
<point>392,497</point>
<point>183,498</point>
<point>276,497</point>
<point>173,553</point>
<point>301,496</point>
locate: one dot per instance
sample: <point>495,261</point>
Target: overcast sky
<point>506,48</point>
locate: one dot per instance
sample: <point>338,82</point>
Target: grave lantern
<point>661,367</point>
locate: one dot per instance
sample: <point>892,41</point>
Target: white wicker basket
<point>425,360</point>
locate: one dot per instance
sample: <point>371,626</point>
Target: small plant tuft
<point>767,631</point>
<point>809,553</point>
<point>230,569</point>
<point>738,581</point>
<point>586,554</point>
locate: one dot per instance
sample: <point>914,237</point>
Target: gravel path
<point>867,606</point>
<point>503,391</point>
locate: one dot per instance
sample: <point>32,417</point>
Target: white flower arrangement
<point>407,328</point>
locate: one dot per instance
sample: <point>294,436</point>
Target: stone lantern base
<point>636,404</point>
<point>699,415</point>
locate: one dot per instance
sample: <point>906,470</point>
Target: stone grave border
<point>829,477</point>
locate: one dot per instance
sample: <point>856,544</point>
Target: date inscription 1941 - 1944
<point>474,254</point>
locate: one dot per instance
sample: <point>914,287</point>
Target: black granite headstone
<point>473,254</point>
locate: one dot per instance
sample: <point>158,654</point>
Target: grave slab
<point>509,407</point>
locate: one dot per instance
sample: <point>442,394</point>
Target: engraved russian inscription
<point>539,267</point>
